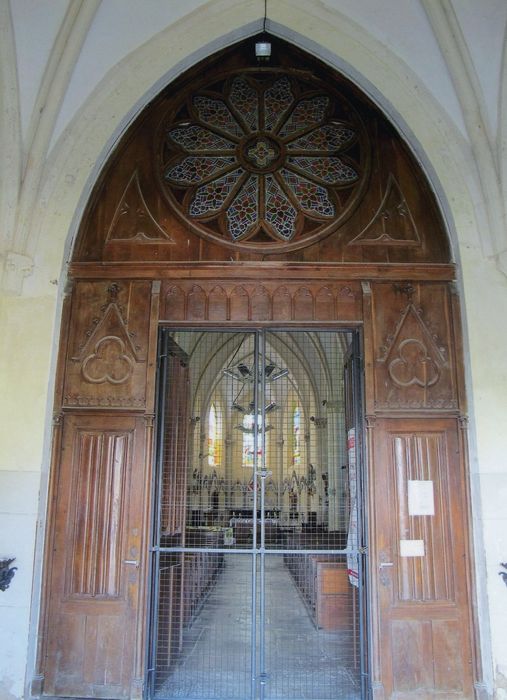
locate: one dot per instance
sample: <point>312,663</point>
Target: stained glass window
<point>214,437</point>
<point>296,436</point>
<point>249,439</point>
<point>262,158</point>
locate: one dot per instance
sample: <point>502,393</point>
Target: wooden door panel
<point>93,590</point>
<point>423,599</point>
<point>90,652</point>
<point>427,656</point>
<point>107,352</point>
<point>415,359</point>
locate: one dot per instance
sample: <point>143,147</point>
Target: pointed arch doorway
<point>255,198</point>
<point>259,578</point>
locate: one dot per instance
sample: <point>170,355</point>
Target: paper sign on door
<point>421,500</point>
<point>411,548</point>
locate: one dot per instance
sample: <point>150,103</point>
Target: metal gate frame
<point>258,550</point>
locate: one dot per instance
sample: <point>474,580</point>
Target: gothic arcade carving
<point>188,301</point>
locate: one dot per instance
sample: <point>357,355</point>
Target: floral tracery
<point>269,160</point>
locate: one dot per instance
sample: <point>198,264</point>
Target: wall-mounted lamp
<point>263,45</point>
<point>262,51</point>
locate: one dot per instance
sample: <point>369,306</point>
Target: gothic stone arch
<point>249,194</point>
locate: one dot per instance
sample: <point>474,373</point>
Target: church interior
<point>257,530</point>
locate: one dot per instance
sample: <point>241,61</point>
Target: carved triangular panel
<point>111,325</point>
<point>132,221</point>
<point>413,370</point>
<point>392,224</point>
<point>107,356</point>
<point>411,327</point>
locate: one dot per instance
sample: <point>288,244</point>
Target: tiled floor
<point>301,662</point>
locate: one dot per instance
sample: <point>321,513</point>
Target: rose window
<point>263,162</point>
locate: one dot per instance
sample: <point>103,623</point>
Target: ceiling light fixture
<point>246,375</point>
<point>251,408</point>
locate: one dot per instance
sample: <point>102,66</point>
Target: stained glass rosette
<point>262,161</point>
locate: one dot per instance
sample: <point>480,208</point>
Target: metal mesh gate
<point>257,573</point>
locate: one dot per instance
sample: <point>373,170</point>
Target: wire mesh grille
<point>257,574</point>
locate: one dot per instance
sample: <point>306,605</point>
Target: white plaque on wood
<point>421,500</point>
<point>412,548</point>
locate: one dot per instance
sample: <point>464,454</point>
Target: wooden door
<point>419,560</point>
<point>94,577</point>
<point>174,409</point>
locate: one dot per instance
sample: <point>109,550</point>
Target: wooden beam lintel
<point>255,271</point>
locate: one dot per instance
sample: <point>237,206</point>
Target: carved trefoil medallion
<point>110,362</point>
<point>412,367</point>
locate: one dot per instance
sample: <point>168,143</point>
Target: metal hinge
<point>263,678</point>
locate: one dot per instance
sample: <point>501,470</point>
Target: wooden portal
<point>360,244</point>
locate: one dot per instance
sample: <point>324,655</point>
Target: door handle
<point>385,563</point>
<point>132,562</point>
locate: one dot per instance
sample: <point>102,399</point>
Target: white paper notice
<point>411,548</point>
<point>421,500</point>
